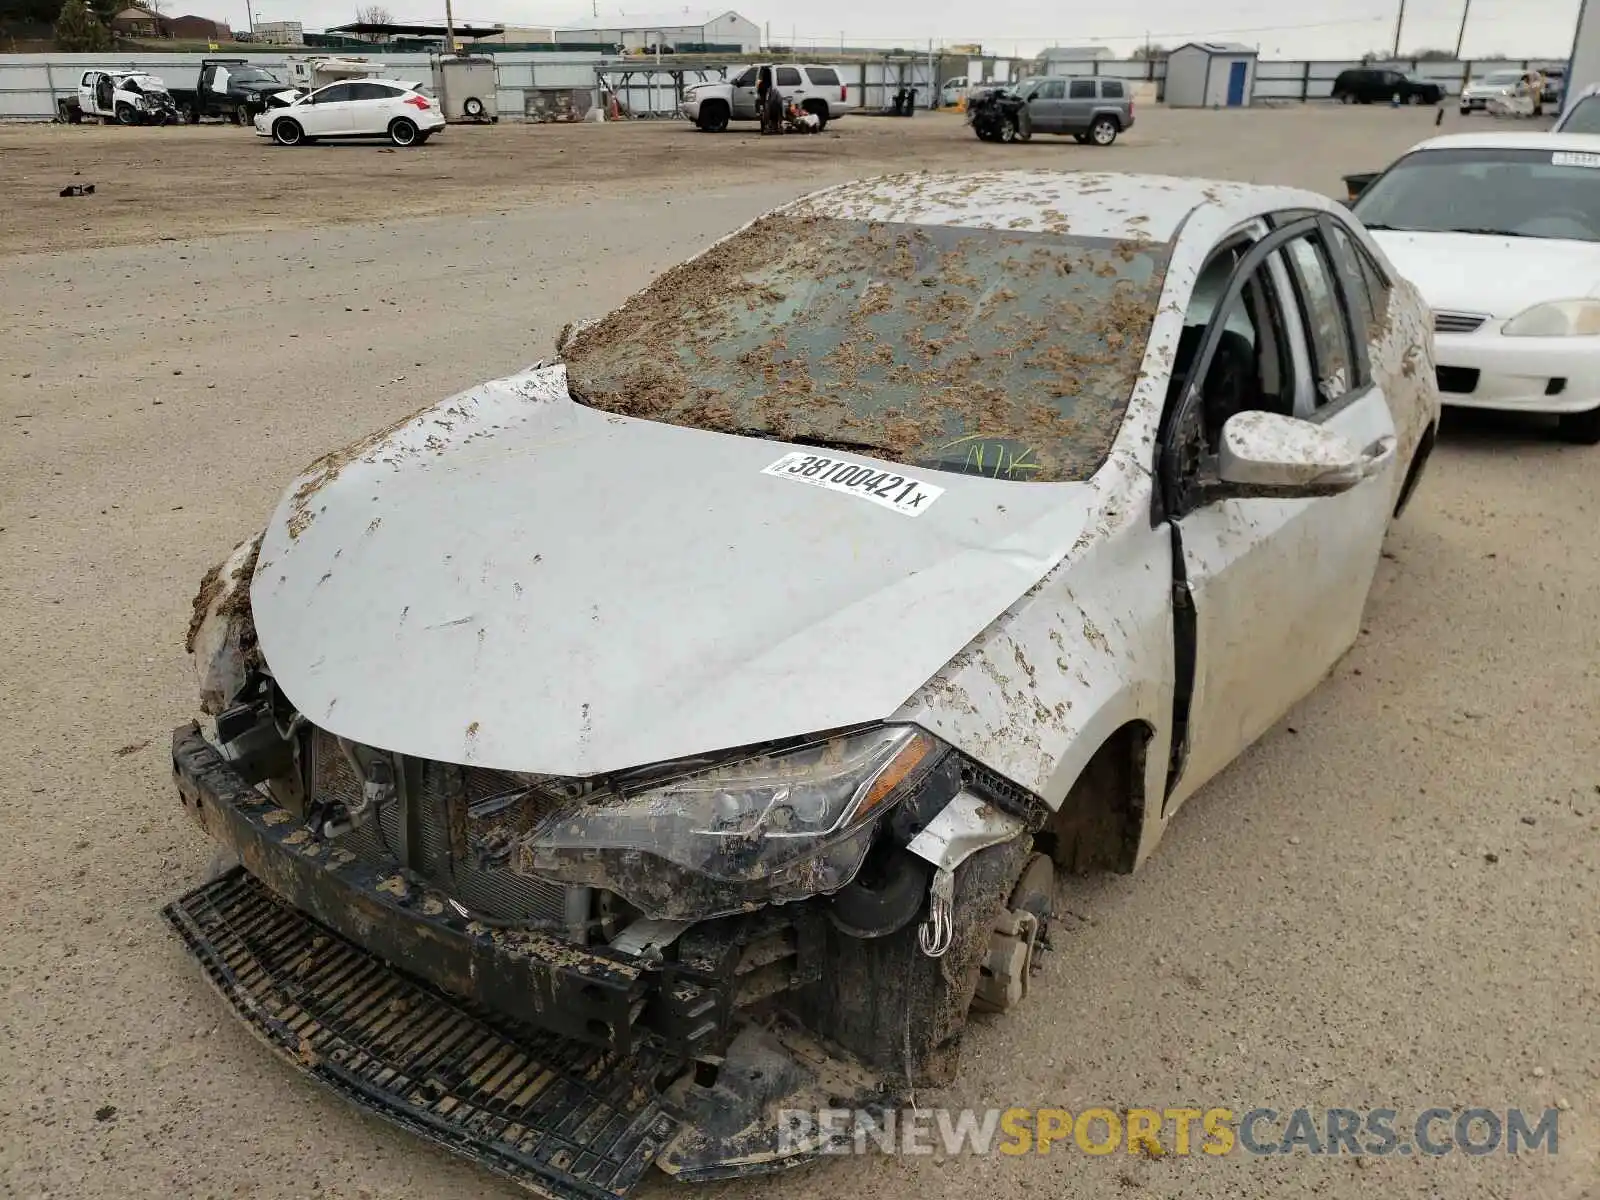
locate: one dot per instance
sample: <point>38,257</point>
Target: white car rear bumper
<point>1542,375</point>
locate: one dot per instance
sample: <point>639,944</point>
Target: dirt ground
<point>1390,901</point>
<point>210,180</point>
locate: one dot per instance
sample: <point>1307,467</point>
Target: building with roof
<point>1210,75</point>
<point>280,33</point>
<point>691,28</point>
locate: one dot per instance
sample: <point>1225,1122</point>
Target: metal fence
<point>30,84</point>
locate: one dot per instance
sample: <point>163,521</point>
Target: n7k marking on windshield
<point>904,494</point>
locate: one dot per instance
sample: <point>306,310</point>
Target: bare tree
<point>374,14</point>
<point>1153,51</point>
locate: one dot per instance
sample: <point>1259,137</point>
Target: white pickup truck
<point>816,89</point>
<point>123,97</point>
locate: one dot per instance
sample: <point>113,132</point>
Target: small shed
<point>1210,75</point>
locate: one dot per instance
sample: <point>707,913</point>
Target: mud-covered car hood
<point>516,581</point>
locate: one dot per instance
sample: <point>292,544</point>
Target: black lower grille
<point>562,1119</point>
<point>1460,381</point>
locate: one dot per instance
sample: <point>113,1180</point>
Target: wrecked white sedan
<point>622,752</point>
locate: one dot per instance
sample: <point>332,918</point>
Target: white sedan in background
<point>356,108</point>
<point>1501,234</point>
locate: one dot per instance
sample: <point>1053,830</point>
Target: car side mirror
<point>1032,96</point>
<point>1268,455</point>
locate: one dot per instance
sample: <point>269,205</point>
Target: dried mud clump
<point>236,606</point>
<point>987,351</point>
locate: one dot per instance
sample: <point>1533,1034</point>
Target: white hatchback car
<point>1501,234</point>
<point>356,108</point>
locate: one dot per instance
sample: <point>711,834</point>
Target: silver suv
<point>1092,109</point>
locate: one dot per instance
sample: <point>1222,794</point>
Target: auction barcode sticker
<point>1573,158</point>
<point>906,495</point>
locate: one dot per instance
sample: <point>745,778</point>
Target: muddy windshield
<point>992,352</point>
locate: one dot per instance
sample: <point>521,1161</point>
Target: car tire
<point>713,117</point>
<point>1581,428</point>
<point>286,131</point>
<point>473,107</point>
<point>1344,97</point>
<point>1103,131</point>
<point>192,115</point>
<point>818,109</point>
<point>127,115</point>
<point>403,131</point>
<point>1466,112</point>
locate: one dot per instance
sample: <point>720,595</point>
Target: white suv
<point>817,89</point>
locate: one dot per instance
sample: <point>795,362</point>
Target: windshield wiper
<point>806,439</point>
<point>1486,232</point>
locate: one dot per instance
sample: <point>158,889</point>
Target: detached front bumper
<point>595,995</point>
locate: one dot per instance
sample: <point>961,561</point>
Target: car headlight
<point>763,830</point>
<point>1556,318</point>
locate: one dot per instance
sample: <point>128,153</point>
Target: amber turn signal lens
<point>912,755</point>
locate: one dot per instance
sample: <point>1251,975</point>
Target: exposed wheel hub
<point>1019,937</point>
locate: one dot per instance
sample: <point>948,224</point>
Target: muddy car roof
<point>1082,203</point>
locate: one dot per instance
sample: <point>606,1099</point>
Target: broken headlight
<point>764,830</point>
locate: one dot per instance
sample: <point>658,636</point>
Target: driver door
<point>1275,587</point>
<point>327,111</point>
<point>1047,109</point>
<point>744,95</point>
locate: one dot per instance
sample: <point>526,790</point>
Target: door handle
<point>1378,456</point>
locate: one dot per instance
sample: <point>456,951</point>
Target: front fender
<point>1087,651</point>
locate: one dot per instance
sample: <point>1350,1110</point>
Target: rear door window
<point>823,76</point>
<point>373,91</point>
<point>1082,89</point>
<point>1334,364</point>
<point>788,77</point>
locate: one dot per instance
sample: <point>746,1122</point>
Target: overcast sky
<point>1329,29</point>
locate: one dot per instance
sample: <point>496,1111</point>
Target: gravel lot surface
<point>1390,901</point>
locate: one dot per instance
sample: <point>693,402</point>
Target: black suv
<point>1363,85</point>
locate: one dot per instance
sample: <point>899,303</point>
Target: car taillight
<point>419,102</point>
<point>844,93</point>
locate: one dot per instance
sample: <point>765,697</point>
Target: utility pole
<point>1462,35</point>
<point>1400,20</point>
<point>449,29</point>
